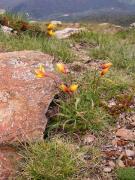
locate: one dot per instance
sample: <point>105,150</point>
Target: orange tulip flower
<point>107,65</point>
<point>64,88</point>
<point>104,71</point>
<point>105,68</point>
<point>40,72</point>
<point>67,89</point>
<point>61,68</point>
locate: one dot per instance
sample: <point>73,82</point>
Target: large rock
<point>67,32</point>
<point>56,22</point>
<point>24,99</point>
<point>6,30</point>
<point>132,25</point>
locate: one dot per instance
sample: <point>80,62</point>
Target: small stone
<point>120,163</point>
<point>133,124</point>
<point>6,30</point>
<point>111,103</point>
<point>71,45</point>
<point>118,126</point>
<point>107,169</point>
<point>130,153</point>
<point>87,157</point>
<point>125,134</point>
<point>121,155</point>
<point>111,164</point>
<point>88,139</point>
<point>130,162</point>
<point>122,142</point>
<point>77,67</point>
<point>114,142</point>
<point>56,22</point>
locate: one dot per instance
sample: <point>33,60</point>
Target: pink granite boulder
<point>24,99</point>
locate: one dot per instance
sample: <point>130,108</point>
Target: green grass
<point>88,37</point>
<point>116,82</point>
<point>59,49</point>
<point>14,17</point>
<point>111,48</point>
<point>125,174</point>
<point>34,39</point>
<point>83,110</point>
<point>53,160</point>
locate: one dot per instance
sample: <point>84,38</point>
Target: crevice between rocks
<point>51,113</point>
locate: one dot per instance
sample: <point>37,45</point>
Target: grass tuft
<point>59,49</point>
<point>82,111</point>
<point>125,173</point>
<point>53,160</point>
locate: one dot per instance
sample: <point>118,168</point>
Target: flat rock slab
<point>24,99</point>
<point>125,134</point>
<point>67,32</point>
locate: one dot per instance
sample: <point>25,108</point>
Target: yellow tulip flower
<point>61,68</point>
<point>51,33</point>
<point>73,88</point>
<point>51,26</point>
<point>40,72</point>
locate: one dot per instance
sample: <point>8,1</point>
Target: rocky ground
<point>118,145</point>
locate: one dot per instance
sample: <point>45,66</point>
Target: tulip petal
<point>61,68</point>
<point>73,87</point>
<point>51,26</point>
<point>51,33</point>
<point>64,88</point>
<point>104,71</point>
<point>40,72</point>
<point>107,65</point>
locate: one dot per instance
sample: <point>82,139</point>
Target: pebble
<point>130,153</point>
<point>88,139</point>
<point>114,142</point>
<point>112,164</point>
<point>107,169</point>
<point>125,134</point>
<point>120,163</point>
